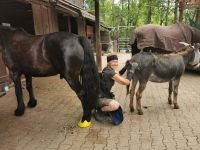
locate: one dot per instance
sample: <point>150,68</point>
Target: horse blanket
<point>163,37</point>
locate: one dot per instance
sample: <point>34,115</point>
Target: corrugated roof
<point>74,10</point>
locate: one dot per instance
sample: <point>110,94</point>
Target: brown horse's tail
<point>89,74</point>
<point>134,48</point>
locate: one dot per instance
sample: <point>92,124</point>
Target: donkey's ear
<point>197,45</point>
<point>184,43</point>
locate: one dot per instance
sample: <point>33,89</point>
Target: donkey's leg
<point>175,92</point>
<point>141,88</point>
<point>170,90</point>
<point>76,86</point>
<point>132,92</point>
<point>18,92</point>
<point>32,101</point>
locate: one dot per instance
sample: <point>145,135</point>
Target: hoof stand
<point>84,124</point>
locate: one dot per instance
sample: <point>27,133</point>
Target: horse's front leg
<point>141,88</point>
<point>32,101</point>
<point>16,77</point>
<point>176,84</point>
<point>132,92</point>
<point>170,90</point>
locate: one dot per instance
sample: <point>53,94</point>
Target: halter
<point>196,59</point>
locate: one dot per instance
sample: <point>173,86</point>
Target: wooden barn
<point>45,16</point>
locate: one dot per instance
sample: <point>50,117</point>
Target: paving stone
<point>52,125</point>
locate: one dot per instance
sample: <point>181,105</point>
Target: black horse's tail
<point>134,49</point>
<point>89,74</point>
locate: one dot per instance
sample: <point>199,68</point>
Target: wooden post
<point>175,11</point>
<point>181,9</point>
<point>97,36</point>
<point>198,16</point>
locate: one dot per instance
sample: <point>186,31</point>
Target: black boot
<point>100,116</point>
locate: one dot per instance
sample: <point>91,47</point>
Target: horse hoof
<point>19,112</point>
<point>140,113</point>
<point>32,103</point>
<point>132,109</point>
<point>169,102</point>
<point>176,107</point>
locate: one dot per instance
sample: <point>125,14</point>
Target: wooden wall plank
<point>69,24</point>
<point>89,31</point>
<point>51,27</point>
<point>4,75</point>
<point>81,26</point>
<point>2,66</point>
<point>45,19</point>
<point>38,25</point>
<point>55,21</point>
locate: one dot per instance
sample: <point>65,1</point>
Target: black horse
<point>160,68</point>
<point>61,53</point>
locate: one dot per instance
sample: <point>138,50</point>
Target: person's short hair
<point>112,56</point>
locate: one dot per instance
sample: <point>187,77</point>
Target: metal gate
<point>125,33</point>
<point>123,45</point>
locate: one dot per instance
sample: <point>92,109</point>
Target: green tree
<point>135,12</point>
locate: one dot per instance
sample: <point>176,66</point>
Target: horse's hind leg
<point>32,101</point>
<point>141,88</point>
<point>170,90</point>
<point>132,92</point>
<point>76,86</point>
<point>176,84</point>
<point>16,77</point>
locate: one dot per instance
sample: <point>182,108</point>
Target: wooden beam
<point>97,36</point>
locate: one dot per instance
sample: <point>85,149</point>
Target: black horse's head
<point>5,33</point>
<point>5,30</point>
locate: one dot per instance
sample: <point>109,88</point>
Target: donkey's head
<point>196,59</point>
<point>131,67</point>
<point>192,51</point>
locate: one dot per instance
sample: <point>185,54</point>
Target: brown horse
<point>160,68</point>
<point>56,53</point>
<point>162,39</point>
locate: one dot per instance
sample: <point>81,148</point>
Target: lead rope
<point>124,106</point>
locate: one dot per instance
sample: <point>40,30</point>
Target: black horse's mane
<point>7,28</point>
<point>19,29</point>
